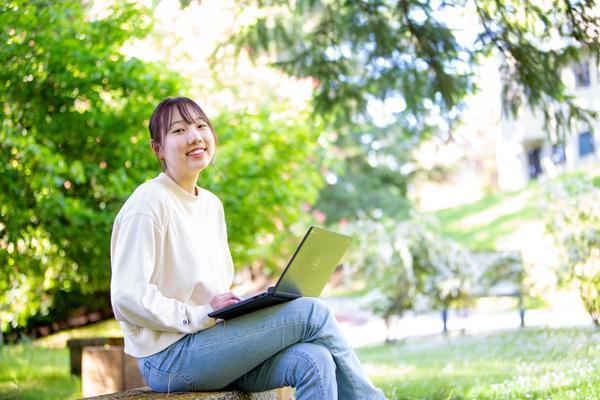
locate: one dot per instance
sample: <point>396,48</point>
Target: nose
<point>194,135</point>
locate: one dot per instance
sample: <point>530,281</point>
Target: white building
<point>490,151</point>
<point>524,151</point>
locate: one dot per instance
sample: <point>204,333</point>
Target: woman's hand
<point>223,300</point>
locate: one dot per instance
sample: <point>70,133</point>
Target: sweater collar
<point>178,190</point>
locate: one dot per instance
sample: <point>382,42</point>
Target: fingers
<point>224,300</point>
<point>229,302</point>
<point>227,296</point>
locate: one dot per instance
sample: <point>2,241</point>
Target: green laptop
<point>306,274</point>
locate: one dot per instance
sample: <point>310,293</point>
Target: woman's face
<point>186,148</point>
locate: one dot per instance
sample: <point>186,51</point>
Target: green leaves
<point>70,105</point>
<point>74,145</point>
<point>265,170</point>
<point>358,49</point>
<point>573,220</point>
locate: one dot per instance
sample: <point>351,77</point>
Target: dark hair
<point>160,120</point>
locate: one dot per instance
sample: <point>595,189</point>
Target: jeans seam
<point>351,374</point>
<point>171,375</point>
<point>315,367</point>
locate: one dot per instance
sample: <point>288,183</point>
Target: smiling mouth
<point>196,152</point>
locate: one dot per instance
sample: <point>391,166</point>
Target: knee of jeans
<point>323,358</point>
<point>318,358</point>
<point>316,307</point>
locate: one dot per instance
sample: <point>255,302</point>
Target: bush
<point>573,221</point>
<point>410,267</point>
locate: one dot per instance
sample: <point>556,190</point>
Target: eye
<point>202,125</point>
<point>177,130</point>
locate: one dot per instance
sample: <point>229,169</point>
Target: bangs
<point>162,117</point>
<point>189,111</point>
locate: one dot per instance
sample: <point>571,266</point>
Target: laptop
<point>306,274</point>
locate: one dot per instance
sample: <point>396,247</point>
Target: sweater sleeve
<point>134,298</point>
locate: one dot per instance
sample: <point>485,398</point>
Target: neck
<point>188,182</point>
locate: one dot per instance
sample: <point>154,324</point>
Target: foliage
<point>499,273</point>
<point>365,178</point>
<point>265,169</point>
<point>383,257</point>
<point>559,364</point>
<point>358,51</point>
<point>74,145</point>
<point>573,219</point>
<point>415,59</point>
<point>411,267</point>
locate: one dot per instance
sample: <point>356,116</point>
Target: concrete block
<point>132,377</point>
<point>76,348</point>
<point>107,369</point>
<point>101,370</point>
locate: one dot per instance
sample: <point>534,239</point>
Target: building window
<point>558,154</point>
<point>582,73</point>
<point>586,144</point>
<point>534,166</point>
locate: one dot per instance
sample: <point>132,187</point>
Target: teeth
<point>196,152</point>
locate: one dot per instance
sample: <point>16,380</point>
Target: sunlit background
<point>456,143</point>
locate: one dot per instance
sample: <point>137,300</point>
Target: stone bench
<point>146,393</point>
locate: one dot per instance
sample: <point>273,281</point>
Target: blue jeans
<point>296,344</point>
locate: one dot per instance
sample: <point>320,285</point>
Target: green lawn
<point>480,224</point>
<point>525,364</point>
<point>28,372</point>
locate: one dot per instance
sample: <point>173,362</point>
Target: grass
<point>28,372</point>
<point>524,364</point>
<point>40,369</point>
<point>481,224</point>
<point>108,328</point>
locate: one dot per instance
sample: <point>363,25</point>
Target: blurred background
<point>456,142</point>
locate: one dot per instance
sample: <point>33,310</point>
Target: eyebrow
<point>181,120</point>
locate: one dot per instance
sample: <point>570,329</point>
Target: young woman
<point>171,266</point>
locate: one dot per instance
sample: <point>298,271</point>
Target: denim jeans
<point>296,344</point>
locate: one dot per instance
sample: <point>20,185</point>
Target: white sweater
<point>169,257</point>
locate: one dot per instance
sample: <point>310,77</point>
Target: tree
<point>266,169</point>
<point>367,180</point>
<point>74,144</point>
<point>382,256</point>
<point>573,221</point>
<point>412,55</point>
<point>409,266</point>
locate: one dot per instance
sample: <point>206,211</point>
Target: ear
<point>157,149</point>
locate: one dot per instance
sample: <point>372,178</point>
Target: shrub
<point>573,221</point>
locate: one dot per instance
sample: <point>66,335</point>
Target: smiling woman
<point>171,267</point>
<point>183,139</point>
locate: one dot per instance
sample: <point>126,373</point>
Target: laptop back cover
<point>306,274</point>
<point>313,263</point>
